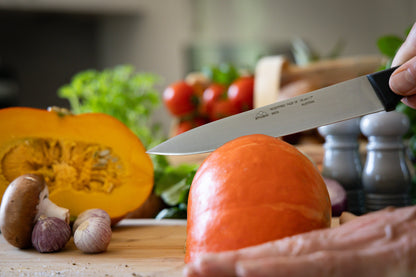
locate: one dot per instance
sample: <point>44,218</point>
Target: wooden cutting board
<point>139,247</point>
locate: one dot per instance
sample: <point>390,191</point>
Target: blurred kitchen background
<point>43,43</point>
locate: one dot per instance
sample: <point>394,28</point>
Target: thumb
<point>403,79</point>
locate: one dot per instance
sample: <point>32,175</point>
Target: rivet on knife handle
<point>380,83</point>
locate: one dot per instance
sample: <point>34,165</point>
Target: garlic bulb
<point>93,235</point>
<point>50,234</point>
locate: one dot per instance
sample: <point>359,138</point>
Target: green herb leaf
<point>174,184</point>
<point>173,175</point>
<point>172,195</point>
<point>172,213</point>
<point>224,73</point>
<point>388,45</point>
<point>120,92</point>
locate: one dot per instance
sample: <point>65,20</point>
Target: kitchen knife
<point>342,101</point>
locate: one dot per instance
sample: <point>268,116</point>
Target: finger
<point>410,101</point>
<point>393,256</point>
<point>221,265</point>
<point>408,48</point>
<point>346,216</point>
<point>403,79</point>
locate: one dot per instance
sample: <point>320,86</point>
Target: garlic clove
<point>89,214</point>
<point>93,235</point>
<point>50,234</point>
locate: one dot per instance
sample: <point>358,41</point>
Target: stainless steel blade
<point>328,105</point>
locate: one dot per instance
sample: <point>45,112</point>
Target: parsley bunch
<point>120,92</point>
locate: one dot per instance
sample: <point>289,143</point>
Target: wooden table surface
<point>139,247</point>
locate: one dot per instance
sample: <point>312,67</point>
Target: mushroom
<point>24,201</point>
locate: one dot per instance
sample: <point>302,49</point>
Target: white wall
<point>322,22</point>
<point>153,40</point>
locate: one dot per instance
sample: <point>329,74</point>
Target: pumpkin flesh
<point>88,160</point>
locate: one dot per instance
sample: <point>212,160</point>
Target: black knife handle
<point>380,83</point>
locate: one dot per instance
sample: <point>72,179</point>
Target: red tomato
<point>186,125</point>
<point>179,98</point>
<point>211,95</point>
<point>241,93</point>
<point>222,108</point>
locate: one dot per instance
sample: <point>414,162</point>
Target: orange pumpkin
<point>88,160</point>
<point>252,190</point>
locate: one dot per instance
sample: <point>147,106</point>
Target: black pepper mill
<point>386,177</point>
<point>342,160</point>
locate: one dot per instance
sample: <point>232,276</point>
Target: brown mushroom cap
<point>19,209</point>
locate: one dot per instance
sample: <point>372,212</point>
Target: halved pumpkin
<point>88,160</point>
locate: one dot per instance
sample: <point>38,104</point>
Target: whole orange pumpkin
<point>252,190</point>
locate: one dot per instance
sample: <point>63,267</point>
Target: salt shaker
<point>342,160</point>
<point>386,176</point>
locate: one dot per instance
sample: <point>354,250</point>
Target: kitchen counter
<point>139,247</point>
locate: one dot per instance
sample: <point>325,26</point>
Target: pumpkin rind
<point>93,144</point>
<point>252,190</point>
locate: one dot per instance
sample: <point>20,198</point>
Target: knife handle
<point>380,83</point>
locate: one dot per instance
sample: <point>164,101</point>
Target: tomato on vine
<point>212,94</point>
<point>241,93</point>
<point>188,124</point>
<point>180,99</point>
<point>222,108</point>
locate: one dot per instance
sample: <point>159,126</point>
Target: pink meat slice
<point>367,236</point>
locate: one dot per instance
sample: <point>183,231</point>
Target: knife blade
<point>353,98</point>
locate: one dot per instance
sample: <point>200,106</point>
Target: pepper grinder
<point>342,161</point>
<point>386,177</point>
